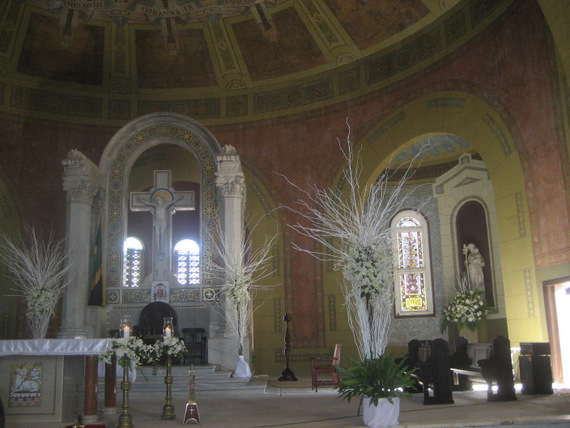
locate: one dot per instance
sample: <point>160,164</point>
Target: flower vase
<point>242,368</point>
<point>385,414</point>
<point>471,335</point>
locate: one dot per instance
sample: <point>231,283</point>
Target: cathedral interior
<point>137,86</point>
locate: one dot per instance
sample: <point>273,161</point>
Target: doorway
<point>557,301</point>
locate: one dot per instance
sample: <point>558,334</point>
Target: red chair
<point>320,367</point>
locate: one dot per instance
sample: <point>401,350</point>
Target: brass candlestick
<point>168,409</point>
<point>125,420</point>
<point>191,413</point>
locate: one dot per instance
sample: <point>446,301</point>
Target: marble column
<point>81,181</point>
<point>232,191</point>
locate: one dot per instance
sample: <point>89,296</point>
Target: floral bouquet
<point>466,309</point>
<point>127,350</point>
<point>169,347</point>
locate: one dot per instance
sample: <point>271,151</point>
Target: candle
<point>126,331</point>
<point>168,331</point>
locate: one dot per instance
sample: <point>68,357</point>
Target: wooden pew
<point>464,360</point>
<point>434,372</point>
<point>491,363</point>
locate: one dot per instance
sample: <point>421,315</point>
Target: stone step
<point>208,379</point>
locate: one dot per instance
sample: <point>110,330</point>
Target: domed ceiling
<point>108,61</point>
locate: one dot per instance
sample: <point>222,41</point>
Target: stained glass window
<point>132,262</point>
<point>187,262</point>
<point>412,275</point>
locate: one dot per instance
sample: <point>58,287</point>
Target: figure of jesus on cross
<point>163,201</point>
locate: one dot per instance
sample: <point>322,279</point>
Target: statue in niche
<point>474,264</point>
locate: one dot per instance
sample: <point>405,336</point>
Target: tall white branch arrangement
<point>242,268</point>
<point>38,268</point>
<point>353,230</point>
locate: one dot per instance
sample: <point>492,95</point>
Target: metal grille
<point>132,268</point>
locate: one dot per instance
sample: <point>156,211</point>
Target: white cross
<point>163,201</point>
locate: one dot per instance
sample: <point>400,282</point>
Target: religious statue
<point>162,207</point>
<point>474,263</point>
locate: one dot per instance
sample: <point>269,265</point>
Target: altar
<point>49,380</point>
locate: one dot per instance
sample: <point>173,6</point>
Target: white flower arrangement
<point>38,269</point>
<point>127,350</point>
<point>242,269</point>
<point>465,309</point>
<point>368,267</point>
<point>172,346</point>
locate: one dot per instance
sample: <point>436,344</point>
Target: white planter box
<point>383,415</point>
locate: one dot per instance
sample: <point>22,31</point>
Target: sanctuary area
<point>252,188</point>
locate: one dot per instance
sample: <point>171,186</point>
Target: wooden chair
<point>196,341</point>
<point>319,367</point>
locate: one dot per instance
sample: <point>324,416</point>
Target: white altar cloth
<point>53,347</point>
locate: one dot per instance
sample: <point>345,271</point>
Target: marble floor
<point>294,404</point>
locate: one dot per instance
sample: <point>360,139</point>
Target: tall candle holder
<point>125,420</point>
<point>168,409</point>
<point>125,326</point>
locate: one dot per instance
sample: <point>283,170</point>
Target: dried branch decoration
<point>38,269</point>
<point>353,227</point>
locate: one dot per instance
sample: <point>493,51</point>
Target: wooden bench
<point>492,363</point>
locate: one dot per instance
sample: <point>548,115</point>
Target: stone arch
<point>491,134</point>
<point>115,165</point>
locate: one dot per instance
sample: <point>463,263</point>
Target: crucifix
<point>163,201</point>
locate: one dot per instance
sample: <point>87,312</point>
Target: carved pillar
<point>81,181</point>
<point>231,202</point>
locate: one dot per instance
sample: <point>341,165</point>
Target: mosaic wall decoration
<point>185,294</point>
<point>25,385</point>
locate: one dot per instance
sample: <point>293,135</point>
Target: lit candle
<point>126,331</point>
<point>168,331</point>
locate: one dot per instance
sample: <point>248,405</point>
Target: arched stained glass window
<point>132,262</point>
<point>187,262</point>
<point>412,273</point>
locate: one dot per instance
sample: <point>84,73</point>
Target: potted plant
<point>379,382</point>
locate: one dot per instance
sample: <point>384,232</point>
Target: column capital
<point>229,178</point>
<point>82,179</point>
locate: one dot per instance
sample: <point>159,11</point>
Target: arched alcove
<point>489,134</point>
<point>120,155</point>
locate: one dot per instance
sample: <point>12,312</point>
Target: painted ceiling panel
<point>369,23</point>
<point>158,68</point>
<point>292,50</point>
<point>43,54</point>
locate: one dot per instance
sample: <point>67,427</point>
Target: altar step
<point>208,378</point>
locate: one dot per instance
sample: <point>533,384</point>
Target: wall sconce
<point>167,326</point>
<point>126,326</point>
